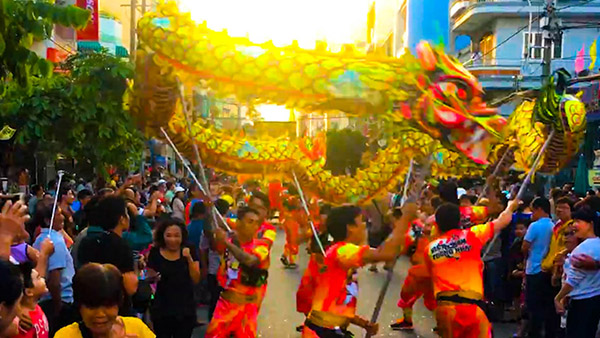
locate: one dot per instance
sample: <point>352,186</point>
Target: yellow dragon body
<point>431,98</point>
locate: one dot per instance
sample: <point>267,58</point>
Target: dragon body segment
<point>532,121</point>
<point>435,102</point>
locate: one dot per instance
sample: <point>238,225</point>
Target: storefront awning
<point>94,46</point>
<point>121,51</point>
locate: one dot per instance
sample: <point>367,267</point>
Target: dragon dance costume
<point>454,263</point>
<point>237,309</point>
<point>335,292</point>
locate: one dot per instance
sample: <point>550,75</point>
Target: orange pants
<point>417,283</point>
<point>462,321</point>
<point>233,320</point>
<point>290,251</point>
<point>308,333</point>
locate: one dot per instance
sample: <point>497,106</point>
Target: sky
<point>283,21</point>
<point>335,21</point>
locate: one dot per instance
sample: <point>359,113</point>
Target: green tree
<point>344,151</point>
<point>80,113</point>
<point>21,23</point>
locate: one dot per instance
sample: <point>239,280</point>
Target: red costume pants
<point>233,320</point>
<point>462,321</point>
<point>417,283</point>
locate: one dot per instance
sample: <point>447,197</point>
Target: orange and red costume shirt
<point>475,214</point>
<point>454,259</point>
<point>230,273</point>
<point>336,291</point>
<point>267,233</point>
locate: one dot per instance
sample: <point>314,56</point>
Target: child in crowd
<point>517,273</point>
<point>32,320</point>
<point>21,252</point>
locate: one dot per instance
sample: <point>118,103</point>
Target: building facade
<point>506,49</point>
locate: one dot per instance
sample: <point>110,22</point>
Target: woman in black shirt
<point>174,310</point>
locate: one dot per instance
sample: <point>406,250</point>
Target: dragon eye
<point>455,87</point>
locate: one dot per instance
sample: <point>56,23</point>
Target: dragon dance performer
<point>454,262</point>
<point>290,220</point>
<point>334,302</point>
<point>267,233</point>
<point>243,275</point>
<point>315,267</point>
<point>418,280</point>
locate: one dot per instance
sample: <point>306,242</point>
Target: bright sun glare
<point>283,21</point>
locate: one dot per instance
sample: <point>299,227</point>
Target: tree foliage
<point>344,151</point>
<point>80,113</point>
<point>21,23</point>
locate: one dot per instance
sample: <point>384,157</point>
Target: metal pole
<point>132,30</point>
<point>523,186</point>
<point>494,173</point>
<point>305,206</point>
<point>182,159</point>
<point>407,182</point>
<point>58,184</point>
<point>548,38</point>
<point>194,145</point>
<point>390,272</point>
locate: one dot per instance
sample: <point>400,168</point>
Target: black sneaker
<point>299,328</point>
<point>284,260</point>
<point>402,325</point>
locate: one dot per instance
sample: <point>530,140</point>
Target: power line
<point>61,46</point>
<point>510,37</point>
<point>574,4</point>
<point>527,26</point>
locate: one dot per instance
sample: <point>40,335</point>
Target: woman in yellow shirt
<point>98,292</point>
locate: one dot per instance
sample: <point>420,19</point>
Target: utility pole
<point>549,36</point>
<point>132,30</point>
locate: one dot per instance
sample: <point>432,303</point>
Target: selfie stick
<point>60,176</point>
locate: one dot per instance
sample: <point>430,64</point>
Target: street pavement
<point>278,317</point>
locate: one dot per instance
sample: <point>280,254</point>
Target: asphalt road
<point>278,317</point>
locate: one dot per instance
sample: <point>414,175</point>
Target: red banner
<point>92,31</point>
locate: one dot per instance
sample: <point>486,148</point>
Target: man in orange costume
<point>315,267</point>
<point>242,274</point>
<point>454,262</point>
<point>291,217</point>
<point>266,233</point>
<point>336,291</point>
<point>418,281</point>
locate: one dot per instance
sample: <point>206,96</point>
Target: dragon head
<point>554,107</point>
<point>452,107</point>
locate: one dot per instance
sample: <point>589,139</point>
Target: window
<point>486,47</point>
<point>536,50</point>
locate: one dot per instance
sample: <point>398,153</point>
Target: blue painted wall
<point>511,52</point>
<point>428,20</point>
